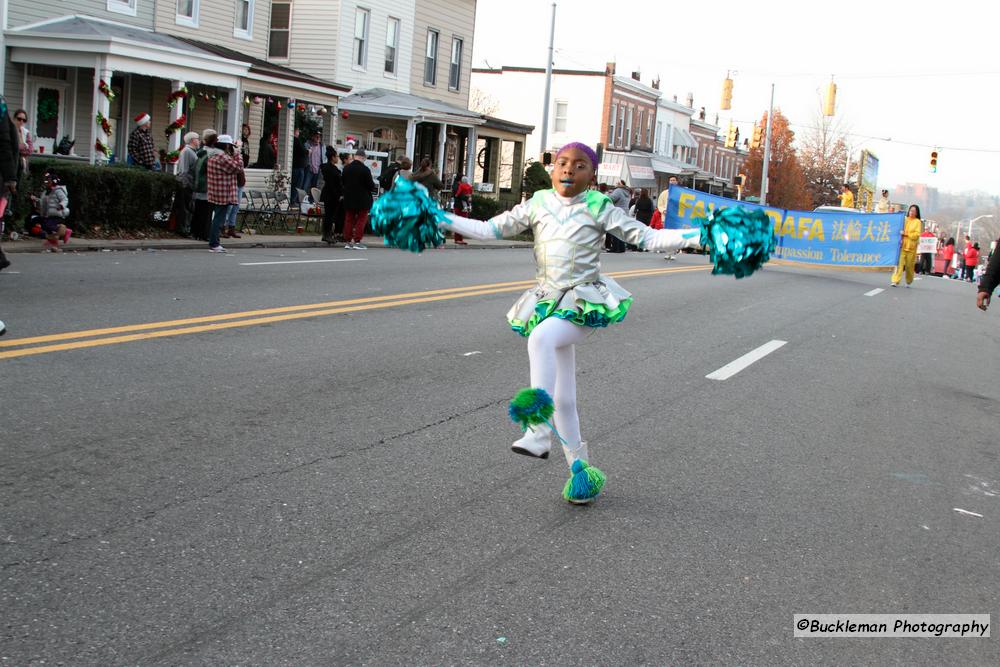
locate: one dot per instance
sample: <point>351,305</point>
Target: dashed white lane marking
<point>875,291</point>
<point>961,511</point>
<point>469,354</point>
<point>734,367</point>
<point>305,261</point>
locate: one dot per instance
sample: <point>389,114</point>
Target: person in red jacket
<point>463,204</point>
<point>971,254</point>
<point>948,253</point>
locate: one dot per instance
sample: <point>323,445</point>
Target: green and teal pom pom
<point>531,406</point>
<point>739,241</point>
<point>408,218</point>
<point>584,484</point>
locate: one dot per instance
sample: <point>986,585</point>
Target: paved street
<point>332,484</point>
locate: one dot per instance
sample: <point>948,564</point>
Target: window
<point>244,19</point>
<point>621,124</point>
<point>391,45</point>
<point>562,111</point>
<point>506,174</point>
<point>455,72</point>
<point>638,127</point>
<point>611,127</point>
<point>361,20</point>
<point>122,7</point>
<point>281,21</point>
<point>628,128</point>
<point>649,130</point>
<point>431,58</point>
<point>187,12</point>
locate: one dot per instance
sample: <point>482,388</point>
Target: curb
<point>13,248</point>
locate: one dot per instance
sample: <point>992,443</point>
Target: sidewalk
<point>77,244</point>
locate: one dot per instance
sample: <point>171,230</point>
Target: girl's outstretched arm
<point>507,224</point>
<point>628,229</point>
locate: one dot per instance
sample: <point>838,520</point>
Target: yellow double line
<point>192,325</point>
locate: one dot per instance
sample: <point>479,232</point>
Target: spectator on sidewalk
<point>926,258</point>
<point>971,256</point>
<point>463,204</point>
<point>10,167</point>
<point>661,201</point>
<point>620,197</point>
<point>202,220</point>
<point>315,148</point>
<point>184,196</point>
<point>300,164</point>
<point>141,150</point>
<point>331,195</point>
<point>224,168</point>
<point>358,186</point>
<point>948,253</point>
<point>52,209</point>
<point>427,176</point>
<point>230,231</point>
<point>990,281</point>
<point>26,145</point>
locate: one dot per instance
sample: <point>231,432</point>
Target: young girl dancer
<point>571,298</point>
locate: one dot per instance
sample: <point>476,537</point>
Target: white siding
<point>520,95</point>
<point>21,12</point>
<point>216,22</point>
<point>451,18</point>
<point>374,76</point>
<point>312,47</point>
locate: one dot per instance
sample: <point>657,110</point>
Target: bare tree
<point>823,154</point>
<point>482,102</point>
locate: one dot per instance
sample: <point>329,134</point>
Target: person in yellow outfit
<point>846,197</point>
<point>912,228</point>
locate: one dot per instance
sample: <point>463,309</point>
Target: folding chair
<point>282,209</point>
<point>248,210</point>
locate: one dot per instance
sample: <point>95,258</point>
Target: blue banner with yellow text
<point>840,238</point>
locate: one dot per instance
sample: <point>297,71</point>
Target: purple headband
<point>587,150</point>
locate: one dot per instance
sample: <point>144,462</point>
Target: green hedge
<point>484,208</point>
<point>114,197</point>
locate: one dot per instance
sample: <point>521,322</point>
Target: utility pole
<point>548,83</point>
<point>767,151</point>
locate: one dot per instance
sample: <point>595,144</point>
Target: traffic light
<point>933,162</point>
<point>732,136</point>
<point>758,137</point>
<point>739,180</point>
<point>830,103</point>
<point>727,94</point>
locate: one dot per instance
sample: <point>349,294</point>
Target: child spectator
<point>52,209</point>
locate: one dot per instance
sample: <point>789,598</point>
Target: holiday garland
<point>103,148</point>
<point>106,90</point>
<point>104,123</point>
<point>175,96</point>
<point>173,156</point>
<point>176,126</point>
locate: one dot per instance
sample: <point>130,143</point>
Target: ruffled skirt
<point>596,304</point>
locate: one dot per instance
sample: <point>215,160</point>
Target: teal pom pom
<point>531,406</point>
<point>584,484</point>
<point>408,218</point>
<point>739,241</point>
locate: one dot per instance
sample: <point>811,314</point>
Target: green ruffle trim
<point>590,315</point>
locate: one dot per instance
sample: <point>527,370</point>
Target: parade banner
<point>813,237</point>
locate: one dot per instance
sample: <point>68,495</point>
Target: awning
<point>640,172</point>
<point>684,139</point>
<point>672,167</point>
<point>383,102</point>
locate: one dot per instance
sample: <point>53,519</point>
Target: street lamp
<point>988,215</point>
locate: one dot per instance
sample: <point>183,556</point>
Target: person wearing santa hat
<point>141,151</point>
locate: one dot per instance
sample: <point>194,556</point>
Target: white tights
<point>552,357</point>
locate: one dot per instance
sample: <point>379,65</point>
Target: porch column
<point>286,125</point>
<point>442,139</point>
<point>411,137</point>
<point>470,154</point>
<point>174,140</point>
<point>234,111</point>
<point>101,105</point>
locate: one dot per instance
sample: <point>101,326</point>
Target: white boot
<point>537,442</point>
<point>578,452</point>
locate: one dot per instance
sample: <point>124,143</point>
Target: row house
<point>643,138</point>
<point>187,63</point>
<point>391,76</point>
<point>408,63</point>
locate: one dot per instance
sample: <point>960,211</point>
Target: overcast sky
<point>918,73</point>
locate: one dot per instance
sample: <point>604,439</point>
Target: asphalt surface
<point>338,489</point>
